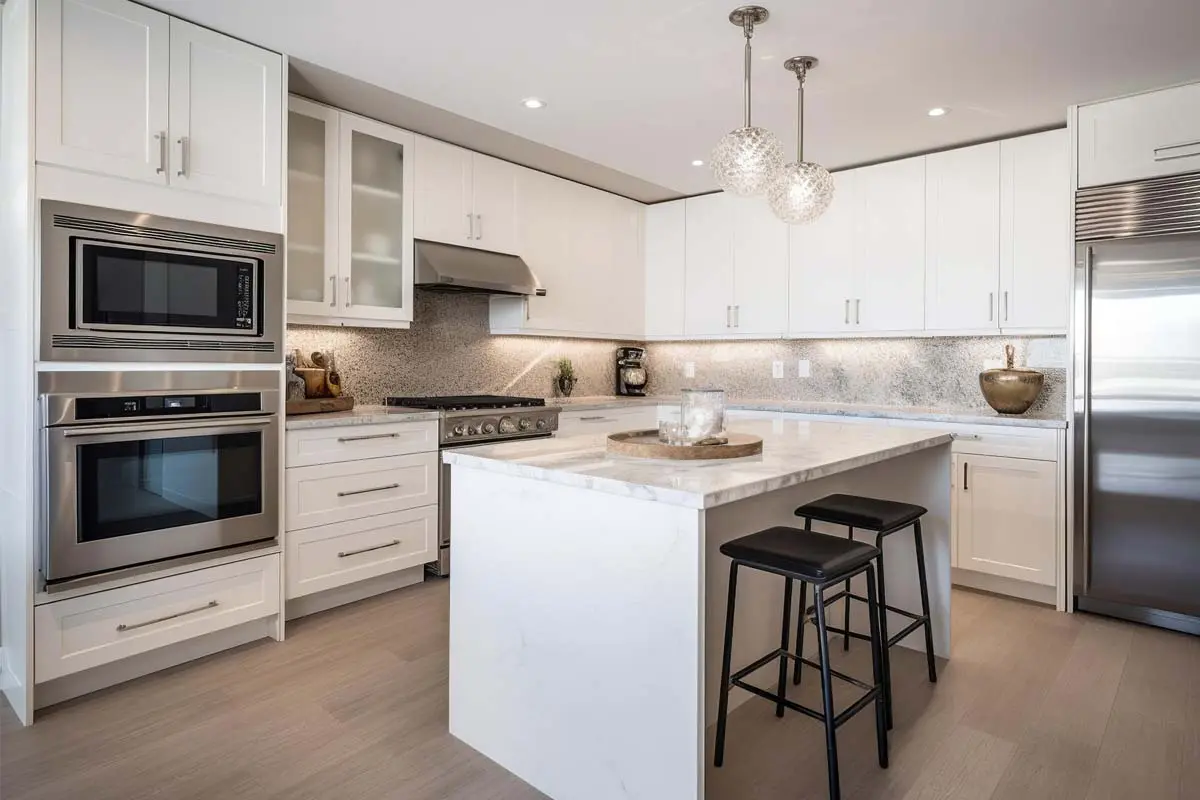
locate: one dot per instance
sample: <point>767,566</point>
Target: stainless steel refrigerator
<point>1137,402</point>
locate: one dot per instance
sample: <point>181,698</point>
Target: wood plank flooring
<point>1034,704</point>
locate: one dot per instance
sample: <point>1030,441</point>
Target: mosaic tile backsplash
<point>450,351</point>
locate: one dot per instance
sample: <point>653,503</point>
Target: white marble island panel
<point>587,601</point>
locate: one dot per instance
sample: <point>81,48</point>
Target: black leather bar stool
<point>883,517</point>
<point>823,561</point>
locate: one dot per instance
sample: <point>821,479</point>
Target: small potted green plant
<point>565,379</point>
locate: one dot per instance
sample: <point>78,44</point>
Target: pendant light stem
<point>748,27</point>
<point>800,122</point>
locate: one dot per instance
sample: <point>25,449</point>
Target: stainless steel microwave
<point>120,286</point>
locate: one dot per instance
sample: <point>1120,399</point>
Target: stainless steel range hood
<point>449,268</point>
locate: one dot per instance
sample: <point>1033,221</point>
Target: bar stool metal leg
<point>846,607</point>
<point>723,704</point>
<point>835,791</point>
<point>925,602</point>
<point>800,631</point>
<point>783,645</point>
<point>877,647</point>
<point>883,634</point>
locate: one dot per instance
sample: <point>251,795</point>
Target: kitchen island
<point>588,599</point>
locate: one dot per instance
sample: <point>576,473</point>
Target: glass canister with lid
<point>702,414</point>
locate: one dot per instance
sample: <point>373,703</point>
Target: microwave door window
<point>153,485</point>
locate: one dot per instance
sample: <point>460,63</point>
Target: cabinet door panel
<point>1006,520</point>
<point>542,218</point>
<point>663,246</point>
<point>962,238</point>
<point>821,258</point>
<point>1035,223</point>
<point>1144,136</point>
<point>226,115</point>
<point>891,247</point>
<point>495,204</point>
<point>760,276</point>
<point>312,181</point>
<point>443,193</point>
<point>103,71</point>
<point>708,289</point>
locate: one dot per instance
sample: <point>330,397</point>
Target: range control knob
<point>525,424</point>
<point>489,428</point>
<point>541,424</point>
<point>507,425</point>
<point>459,430</point>
<point>472,430</point>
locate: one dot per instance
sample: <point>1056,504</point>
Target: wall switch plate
<point>776,369</point>
<point>804,368</point>
<point>689,369</point>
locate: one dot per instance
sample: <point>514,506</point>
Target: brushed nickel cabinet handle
<point>1006,305</point>
<point>592,419</point>
<point>737,316</point>
<point>344,439</point>
<point>857,310</point>
<point>333,287</point>
<point>347,291</point>
<point>122,628</point>
<point>353,492</point>
<point>965,486</point>
<point>728,316</point>
<point>1164,153</point>
<point>991,306</point>
<point>470,227</point>
<point>182,141</point>
<point>479,226</point>
<point>161,140</point>
<point>349,553</point>
<point>847,310</point>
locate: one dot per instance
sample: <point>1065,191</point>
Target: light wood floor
<point>1034,704</point>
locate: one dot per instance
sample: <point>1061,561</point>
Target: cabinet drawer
<point>329,493</point>
<point>607,420</point>
<point>335,555</point>
<point>1144,136</point>
<point>87,631</point>
<point>306,447</point>
<point>994,440</point>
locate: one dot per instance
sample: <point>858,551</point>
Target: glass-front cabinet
<point>350,215</point>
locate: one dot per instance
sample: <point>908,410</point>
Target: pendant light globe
<point>746,160</point>
<point>801,191</point>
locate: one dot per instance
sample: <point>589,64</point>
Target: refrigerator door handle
<point>1083,414</point>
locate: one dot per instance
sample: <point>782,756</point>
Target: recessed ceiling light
<point>697,163</point>
<point>938,112</point>
<point>533,102</point>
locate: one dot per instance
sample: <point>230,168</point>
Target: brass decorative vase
<point>1011,390</point>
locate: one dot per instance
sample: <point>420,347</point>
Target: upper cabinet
<point>1036,254</point>
<point>465,198</point>
<point>350,219</point>
<point>663,245</point>
<point>1144,136</point>
<point>962,238</point>
<point>132,93</point>
<point>708,263</point>
<point>822,282</point>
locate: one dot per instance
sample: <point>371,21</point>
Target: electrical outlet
<point>689,369</point>
<point>804,368</point>
<point>777,369</point>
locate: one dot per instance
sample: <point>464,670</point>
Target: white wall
<point>17,303</point>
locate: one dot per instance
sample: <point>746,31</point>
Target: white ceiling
<point>646,86</point>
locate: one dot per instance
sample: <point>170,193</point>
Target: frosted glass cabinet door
<point>312,188</point>
<point>375,211</point>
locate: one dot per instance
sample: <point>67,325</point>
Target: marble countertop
<point>1034,419</point>
<point>360,415</point>
<point>794,451</point>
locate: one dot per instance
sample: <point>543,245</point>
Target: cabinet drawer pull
<point>161,140</point>
<point>470,226</point>
<point>1006,305</point>
<point>347,291</point>
<point>479,226</point>
<point>353,492</point>
<point>965,485</point>
<point>991,306</point>
<point>591,419</point>
<point>847,311</point>
<point>974,437</point>
<point>1164,153</point>
<point>122,628</point>
<point>344,439</point>
<point>182,141</point>
<point>857,309</point>
<point>349,553</point>
<point>333,286</point>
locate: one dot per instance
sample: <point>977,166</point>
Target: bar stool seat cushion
<point>868,513</point>
<point>815,557</point>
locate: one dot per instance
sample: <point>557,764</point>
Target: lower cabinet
<point>90,630</point>
<point>1005,517</point>
<point>607,420</point>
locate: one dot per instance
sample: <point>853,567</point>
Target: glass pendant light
<point>746,160</point>
<point>802,190</point>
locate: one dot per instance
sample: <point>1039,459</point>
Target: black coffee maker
<point>631,371</point>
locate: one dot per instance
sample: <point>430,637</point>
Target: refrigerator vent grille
<point>1146,208</point>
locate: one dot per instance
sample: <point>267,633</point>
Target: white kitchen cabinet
<point>103,73</point>
<point>132,93</point>
<point>962,238</point>
<point>708,256</point>
<point>664,248</point>
<point>351,227</point>
<point>1006,517</point>
<point>226,102</point>
<point>465,198</point>
<point>760,270</point>
<point>327,493</point>
<point>1144,136</point>
<point>1035,221</point>
<point>607,420</point>
<point>890,247</point>
<point>822,268</point>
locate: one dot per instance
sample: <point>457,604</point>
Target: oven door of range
<point>121,495</point>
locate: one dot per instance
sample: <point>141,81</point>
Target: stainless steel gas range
<point>473,420</point>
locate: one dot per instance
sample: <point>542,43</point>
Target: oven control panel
<point>119,407</point>
<point>497,425</point>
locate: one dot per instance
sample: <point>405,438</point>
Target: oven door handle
<point>231,426</point>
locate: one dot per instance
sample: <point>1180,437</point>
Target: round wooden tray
<point>645,444</point>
